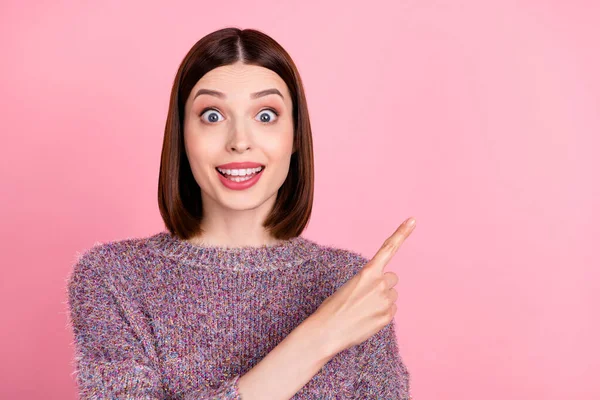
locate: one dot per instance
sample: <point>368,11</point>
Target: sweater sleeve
<point>381,372</point>
<point>114,354</point>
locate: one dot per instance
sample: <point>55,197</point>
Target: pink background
<point>481,119</point>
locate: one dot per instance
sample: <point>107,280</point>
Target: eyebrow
<point>222,95</point>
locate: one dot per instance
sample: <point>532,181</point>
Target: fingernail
<point>410,222</point>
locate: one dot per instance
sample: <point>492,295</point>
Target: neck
<point>229,227</point>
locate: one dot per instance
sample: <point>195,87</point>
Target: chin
<point>240,202</point>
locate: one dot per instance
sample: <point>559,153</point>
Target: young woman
<point>230,301</point>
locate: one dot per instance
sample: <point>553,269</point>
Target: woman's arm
<point>288,367</point>
<point>114,357</point>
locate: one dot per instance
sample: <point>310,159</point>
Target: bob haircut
<point>179,197</point>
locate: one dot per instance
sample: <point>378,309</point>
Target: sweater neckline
<point>283,255</point>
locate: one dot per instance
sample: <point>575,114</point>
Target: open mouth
<point>240,175</point>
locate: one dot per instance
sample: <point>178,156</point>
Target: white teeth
<point>240,172</point>
<point>238,179</point>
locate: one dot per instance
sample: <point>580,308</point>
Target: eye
<point>212,115</point>
<point>265,117</point>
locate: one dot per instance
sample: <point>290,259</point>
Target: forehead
<point>239,80</point>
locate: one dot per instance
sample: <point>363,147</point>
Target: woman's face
<point>229,118</point>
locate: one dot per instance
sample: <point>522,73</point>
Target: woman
<point>231,302</point>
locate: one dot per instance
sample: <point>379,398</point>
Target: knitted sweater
<point>161,318</point>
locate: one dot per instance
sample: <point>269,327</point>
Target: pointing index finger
<point>392,244</point>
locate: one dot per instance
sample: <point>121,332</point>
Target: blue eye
<point>266,118</point>
<point>212,115</point>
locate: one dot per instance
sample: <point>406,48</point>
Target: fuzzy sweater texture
<point>161,318</point>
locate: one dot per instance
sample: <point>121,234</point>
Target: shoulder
<point>105,259</point>
<point>343,256</point>
<point>342,262</point>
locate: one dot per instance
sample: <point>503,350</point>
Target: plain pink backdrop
<point>479,118</point>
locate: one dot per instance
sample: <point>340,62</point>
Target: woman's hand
<point>364,304</point>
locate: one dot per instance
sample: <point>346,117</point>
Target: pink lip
<point>240,165</point>
<point>239,185</point>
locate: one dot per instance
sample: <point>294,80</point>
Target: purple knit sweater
<point>161,318</point>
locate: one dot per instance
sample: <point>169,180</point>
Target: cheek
<point>200,152</point>
<point>278,154</point>
<point>280,144</point>
<point>202,142</point>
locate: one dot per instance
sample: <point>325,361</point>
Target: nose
<point>239,138</point>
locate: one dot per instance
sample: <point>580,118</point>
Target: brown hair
<point>179,197</point>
